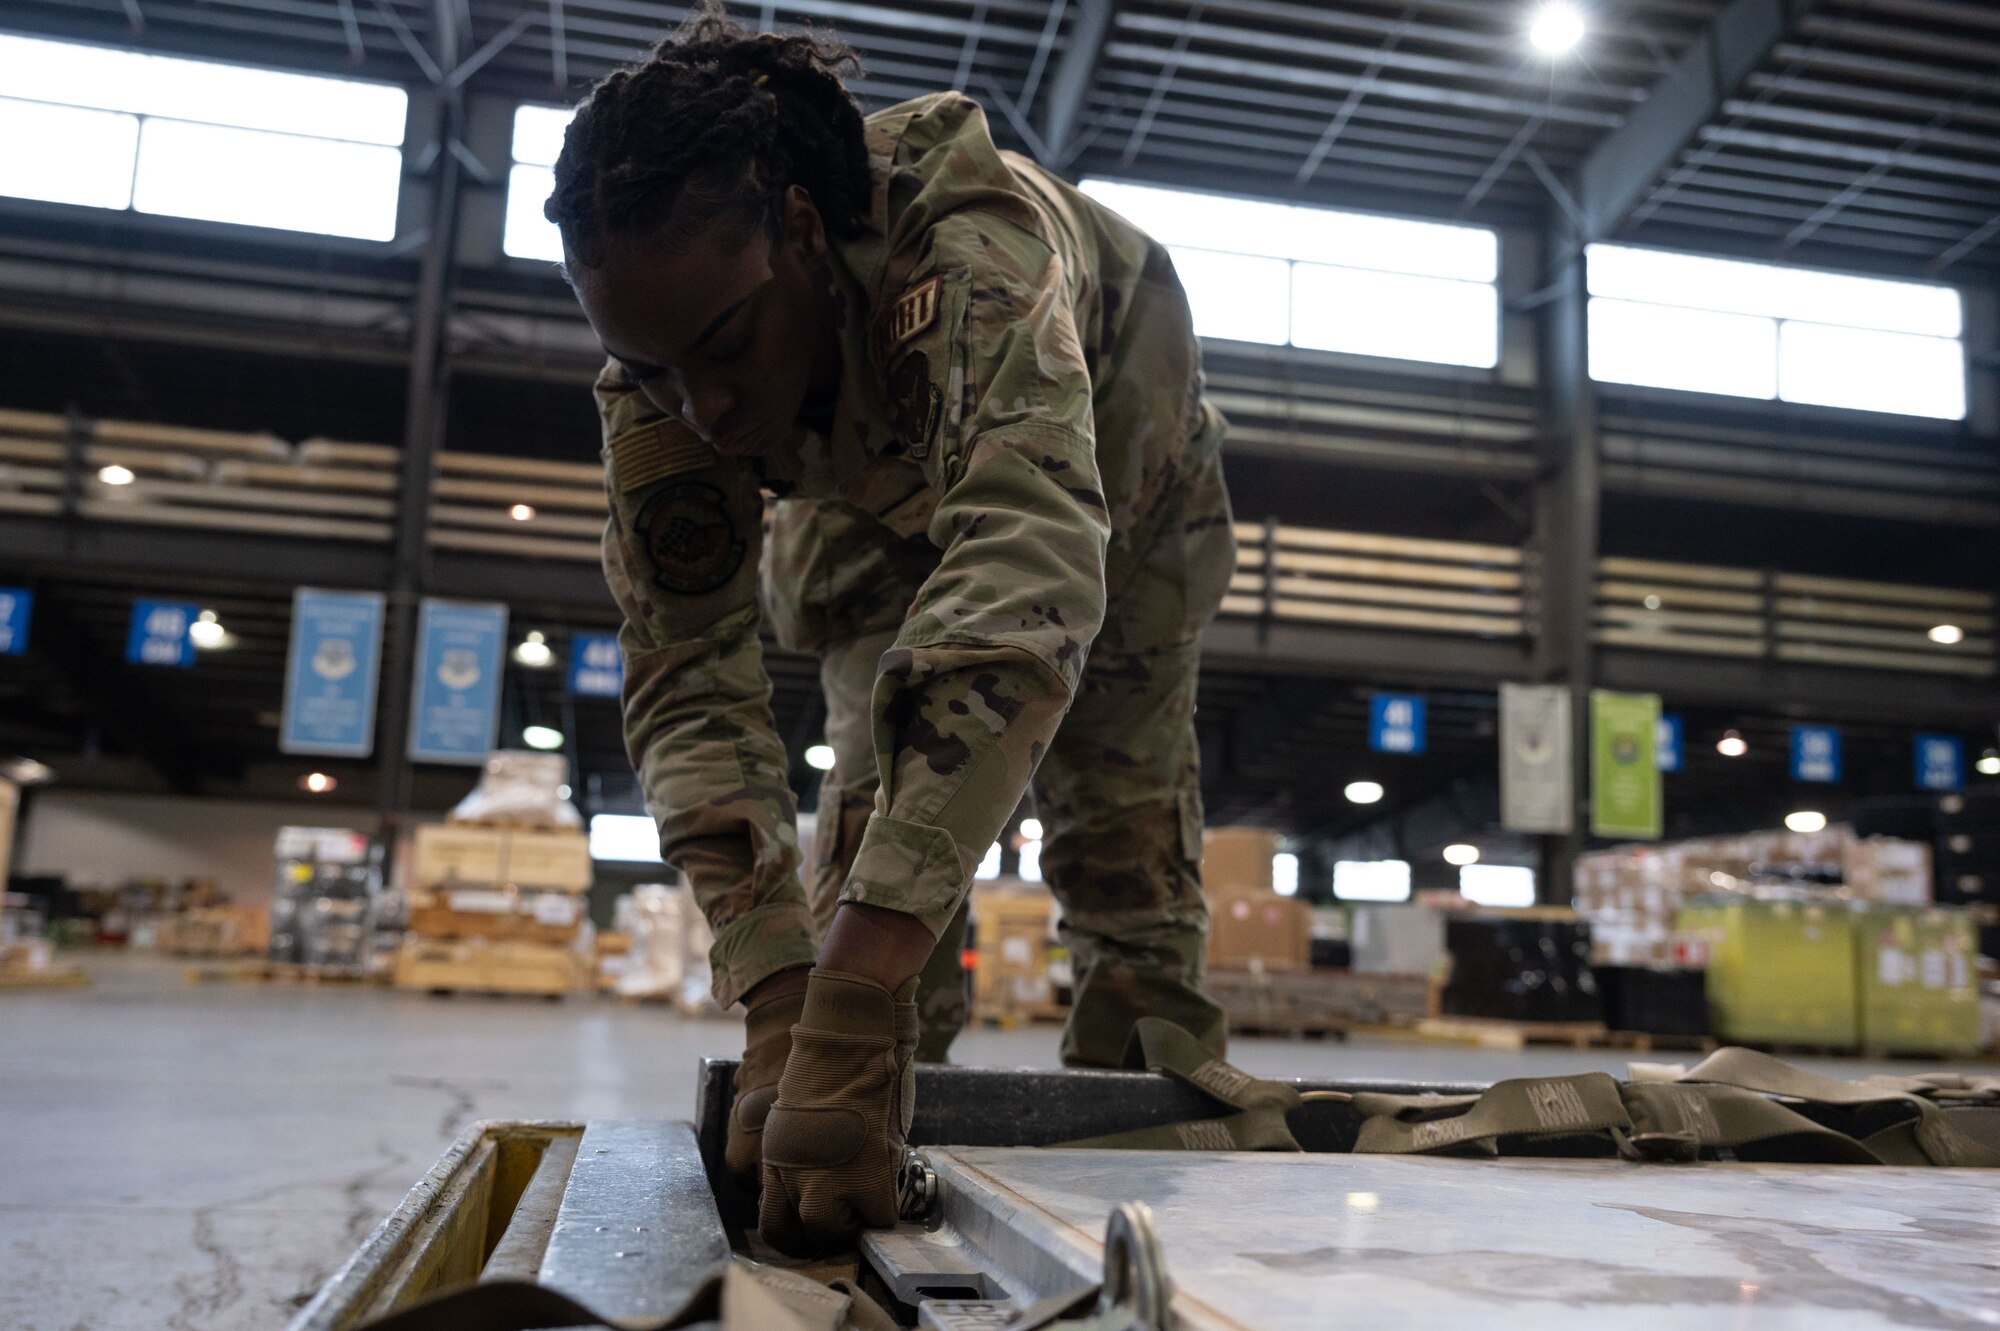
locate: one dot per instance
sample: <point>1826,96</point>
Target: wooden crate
<point>520,919</point>
<point>481,966</point>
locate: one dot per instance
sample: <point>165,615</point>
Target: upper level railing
<point>171,476</point>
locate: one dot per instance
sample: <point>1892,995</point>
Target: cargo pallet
<point>53,977</point>
<point>1512,1036</point>
<point>283,972</point>
<point>636,1218</point>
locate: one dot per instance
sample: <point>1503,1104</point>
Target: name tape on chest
<point>916,310</point>
<point>654,452</point>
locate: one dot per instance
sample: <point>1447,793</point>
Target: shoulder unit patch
<point>690,539</point>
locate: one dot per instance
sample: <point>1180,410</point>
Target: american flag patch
<point>916,310</point>
<point>655,451</point>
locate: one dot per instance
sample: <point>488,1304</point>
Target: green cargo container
<point>1918,984</point>
<point>1779,972</point>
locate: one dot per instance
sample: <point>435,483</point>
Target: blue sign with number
<point>16,605</point>
<point>159,634</point>
<point>1667,744</point>
<point>1396,723</point>
<point>596,669</point>
<point>1816,754</point>
<point>456,711</point>
<point>1940,762</point>
<point>330,674</point>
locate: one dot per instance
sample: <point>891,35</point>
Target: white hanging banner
<point>1536,790</point>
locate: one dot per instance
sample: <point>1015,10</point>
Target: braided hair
<point>718,120</point>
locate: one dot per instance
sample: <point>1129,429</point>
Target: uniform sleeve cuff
<point>914,868</point>
<point>757,945</point>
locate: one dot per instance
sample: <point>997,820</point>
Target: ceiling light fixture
<point>207,631</point>
<point>317,783</point>
<point>116,475</point>
<point>1947,635</point>
<point>542,737</point>
<point>1989,763</point>
<point>820,757</point>
<point>1806,820</point>
<point>1031,829</point>
<point>1363,792</point>
<point>1731,745</point>
<point>534,651</point>
<point>522,512</point>
<point>1557,28</point>
<point>1461,854</point>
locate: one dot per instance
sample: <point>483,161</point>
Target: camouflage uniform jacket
<point>974,306</point>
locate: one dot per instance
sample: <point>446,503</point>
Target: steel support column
<point>1567,501</point>
<point>425,406</point>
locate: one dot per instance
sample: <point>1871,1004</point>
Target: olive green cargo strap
<point>1928,1139</point>
<point>1538,1106</point>
<point>1158,1045</point>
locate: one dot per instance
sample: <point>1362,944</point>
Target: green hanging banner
<point>1624,777</point>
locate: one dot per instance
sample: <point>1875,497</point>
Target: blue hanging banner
<point>330,674</point>
<point>1667,744</point>
<point>17,604</point>
<point>1816,754</point>
<point>1396,723</point>
<point>1940,762</point>
<point>456,708</point>
<point>596,668</point>
<point>159,633</point>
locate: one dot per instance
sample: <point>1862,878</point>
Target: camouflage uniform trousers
<point>1118,792</point>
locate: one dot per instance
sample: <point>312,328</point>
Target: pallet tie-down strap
<point>1158,1045</point>
<point>745,1297</point>
<point>1927,1138</point>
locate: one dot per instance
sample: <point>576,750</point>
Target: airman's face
<point>731,335</point>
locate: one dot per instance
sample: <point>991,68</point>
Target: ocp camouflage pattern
<point>1004,550</point>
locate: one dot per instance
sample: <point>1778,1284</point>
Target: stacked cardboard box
<point>1014,944</point>
<point>215,931</point>
<point>1251,927</point>
<point>1632,895</point>
<point>667,959</point>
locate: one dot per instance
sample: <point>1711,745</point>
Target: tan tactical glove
<point>767,1040</point>
<point>834,1140</point>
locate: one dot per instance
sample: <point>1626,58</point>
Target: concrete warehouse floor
<point>200,1157</point>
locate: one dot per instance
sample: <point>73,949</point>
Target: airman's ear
<point>803,227</point>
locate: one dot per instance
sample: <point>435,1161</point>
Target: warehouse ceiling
<point>1867,132</point>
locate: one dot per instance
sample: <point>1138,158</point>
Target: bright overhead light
<point>1557,28</point>
<point>207,631</point>
<point>1031,829</point>
<point>1731,745</point>
<point>542,737</point>
<point>534,652</point>
<point>317,783</point>
<point>522,512</point>
<point>820,757</point>
<point>1989,763</point>
<point>1363,792</point>
<point>1285,874</point>
<point>1947,635</point>
<point>1806,820</point>
<point>1461,854</point>
<point>116,475</point>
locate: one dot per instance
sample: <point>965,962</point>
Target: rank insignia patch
<point>690,539</point>
<point>916,310</point>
